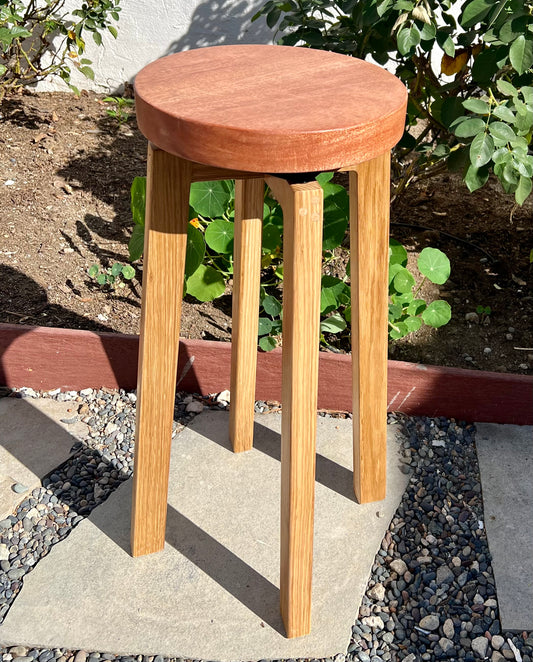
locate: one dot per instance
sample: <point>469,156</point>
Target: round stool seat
<point>269,109</point>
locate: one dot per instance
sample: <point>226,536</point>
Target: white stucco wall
<point>149,29</point>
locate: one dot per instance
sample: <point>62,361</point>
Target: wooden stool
<point>252,113</point>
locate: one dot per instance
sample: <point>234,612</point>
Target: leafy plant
<point>484,313</point>
<point>209,262</point>
<point>407,313</point>
<point>40,38</point>
<point>120,112</point>
<point>113,276</point>
<point>476,114</point>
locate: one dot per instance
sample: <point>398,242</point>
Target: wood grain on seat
<point>269,109</point>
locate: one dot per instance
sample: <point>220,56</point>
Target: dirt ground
<point>65,174</point>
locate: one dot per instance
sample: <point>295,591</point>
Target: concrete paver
<point>213,592</point>
<point>505,454</point>
<point>33,441</point>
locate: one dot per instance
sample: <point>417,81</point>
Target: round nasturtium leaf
<point>413,323</point>
<point>116,269</point>
<point>397,253</point>
<point>400,331</point>
<point>195,250</point>
<point>267,343</point>
<point>434,265</point>
<point>265,326</point>
<point>403,281</point>
<point>333,324</point>
<point>271,237</point>
<point>128,272</point>
<point>437,314</point>
<point>219,236</point>
<point>210,199</point>
<point>271,306</point>
<point>205,284</point>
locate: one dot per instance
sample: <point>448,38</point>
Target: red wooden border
<point>45,358</point>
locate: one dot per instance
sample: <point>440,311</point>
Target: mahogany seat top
<point>269,109</point>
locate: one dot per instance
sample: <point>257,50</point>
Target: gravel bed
<point>431,593</point>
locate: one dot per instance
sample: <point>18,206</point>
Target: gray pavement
<point>213,592</point>
<point>505,454</point>
<point>33,441</point>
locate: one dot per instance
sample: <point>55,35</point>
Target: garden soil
<point>65,173</point>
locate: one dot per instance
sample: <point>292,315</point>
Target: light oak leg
<point>302,212</point>
<point>167,213</point>
<point>249,196</point>
<point>369,247</point>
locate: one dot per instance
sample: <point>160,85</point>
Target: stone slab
<point>33,441</point>
<point>505,454</point>
<point>213,593</point>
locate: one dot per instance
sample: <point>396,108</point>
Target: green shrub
<point>476,114</point>
<point>39,38</point>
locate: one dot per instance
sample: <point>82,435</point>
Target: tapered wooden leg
<point>302,212</point>
<point>249,195</point>
<point>369,242</point>
<point>167,210</point>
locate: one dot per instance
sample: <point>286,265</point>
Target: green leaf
<point>271,306</point>
<point>523,189</point>
<point>116,269</point>
<point>397,253</point>
<point>324,177</point>
<point>502,131</point>
<point>271,238</point>
<point>481,150</point>
<point>474,12</point>
<point>138,200</point>
<point>112,29</point>
<point>336,215</point>
<point>128,272</point>
<point>413,324</point>
<point>206,283</point>
<point>476,177</point>
<point>219,236</point>
<point>136,243</point>
<point>403,281</point>
<point>331,289</point>
<point>267,343</point>
<point>210,199</point>
<point>521,54</point>
<point>333,324</point>
<point>506,88</point>
<point>101,279</point>
<point>195,250</point>
<point>437,314</point>
<point>469,127</point>
<point>87,72</point>
<point>407,38</point>
<point>434,265</point>
<point>3,69</point>
<point>416,307</point>
<point>93,270</point>
<point>504,113</point>
<point>97,38</point>
<point>400,331</point>
<point>477,106</point>
<point>265,326</point>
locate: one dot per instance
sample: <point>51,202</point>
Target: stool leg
<point>369,244</point>
<point>249,196</point>
<point>302,212</point>
<point>167,213</point>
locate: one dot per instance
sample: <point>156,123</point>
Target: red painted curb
<point>45,358</point>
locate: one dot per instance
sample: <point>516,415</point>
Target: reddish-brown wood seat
<point>273,109</point>
<point>252,113</point>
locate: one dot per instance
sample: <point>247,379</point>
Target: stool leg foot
<point>167,212</point>
<point>302,212</point>
<point>249,196</point>
<point>369,244</point>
